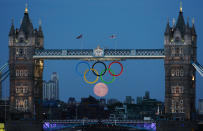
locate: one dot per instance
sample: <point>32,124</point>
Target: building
<point>72,101</point>
<point>102,101</point>
<point>129,100</point>
<point>119,113</point>
<point>51,88</point>
<point>200,107</point>
<point>112,101</point>
<point>25,73</point>
<point>180,47</point>
<point>90,108</point>
<point>145,108</point>
<point>147,95</point>
<point>139,100</point>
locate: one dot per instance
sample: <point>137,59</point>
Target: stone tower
<point>180,51</point>
<point>25,72</point>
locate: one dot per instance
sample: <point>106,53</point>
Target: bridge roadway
<point>85,123</point>
<point>99,54</point>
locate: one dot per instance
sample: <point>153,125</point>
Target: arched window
<point>21,40</point>
<point>181,72</point>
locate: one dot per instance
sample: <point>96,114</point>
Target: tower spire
<point>12,30</point>
<point>193,21</point>
<point>26,8</point>
<point>181,6</point>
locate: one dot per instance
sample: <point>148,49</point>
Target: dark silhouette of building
<point>180,79</point>
<point>25,72</point>
<point>72,101</point>
<point>90,108</point>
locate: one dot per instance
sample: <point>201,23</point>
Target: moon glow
<point>100,89</point>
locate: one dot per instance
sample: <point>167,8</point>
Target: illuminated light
<point>193,78</point>
<point>41,64</point>
<point>181,6</point>
<point>26,8</point>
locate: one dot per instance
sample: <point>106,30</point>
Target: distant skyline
<point>138,24</point>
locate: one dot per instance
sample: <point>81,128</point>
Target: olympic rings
<point>76,68</point>
<point>109,81</point>
<point>92,81</point>
<point>95,72</point>
<point>119,64</point>
<point>103,71</point>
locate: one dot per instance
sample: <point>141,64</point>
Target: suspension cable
<point>199,68</point>
<point>3,67</point>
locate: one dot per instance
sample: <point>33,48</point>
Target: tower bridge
<point>27,53</point>
<point>99,54</point>
<point>82,124</point>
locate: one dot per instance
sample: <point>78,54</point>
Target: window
<point>177,105</point>
<point>17,72</point>
<point>22,73</point>
<point>173,50</point>
<point>21,52</point>
<point>21,104</point>
<point>177,89</point>
<point>181,72</point>
<point>181,51</point>
<point>172,72</point>
<point>17,51</point>
<point>21,40</point>
<point>177,51</point>
<point>177,72</point>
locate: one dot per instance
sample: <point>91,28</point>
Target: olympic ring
<point>109,81</point>
<point>119,64</point>
<point>92,81</point>
<point>103,71</point>
<point>76,68</point>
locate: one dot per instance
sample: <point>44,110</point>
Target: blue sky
<point>139,24</point>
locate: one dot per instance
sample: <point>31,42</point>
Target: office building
<point>51,88</point>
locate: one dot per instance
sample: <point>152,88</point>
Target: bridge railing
<point>103,121</point>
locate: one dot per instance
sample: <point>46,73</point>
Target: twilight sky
<point>138,24</point>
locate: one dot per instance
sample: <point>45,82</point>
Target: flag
<point>112,37</point>
<point>79,37</point>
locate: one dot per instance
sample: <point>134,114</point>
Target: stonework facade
<point>25,72</point>
<point>180,79</point>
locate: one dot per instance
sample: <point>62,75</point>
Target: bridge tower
<point>180,78</point>
<point>25,72</point>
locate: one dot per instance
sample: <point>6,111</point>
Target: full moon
<point>100,89</point>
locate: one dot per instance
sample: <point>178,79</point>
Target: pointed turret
<point>40,32</point>
<point>181,22</point>
<point>193,27</point>
<point>187,28</point>
<point>26,25</point>
<point>168,29</point>
<point>12,30</point>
